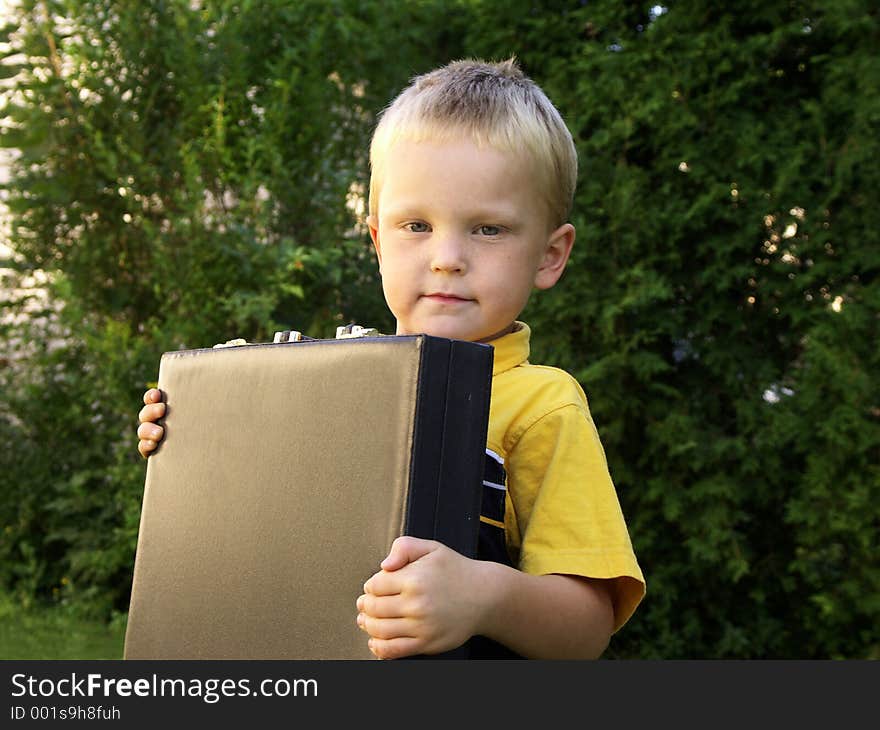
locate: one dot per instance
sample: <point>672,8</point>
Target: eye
<point>489,230</point>
<point>416,227</point>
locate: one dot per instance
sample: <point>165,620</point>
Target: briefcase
<point>286,471</point>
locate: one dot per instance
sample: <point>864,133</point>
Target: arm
<point>548,616</point>
<point>428,599</point>
<point>149,433</point>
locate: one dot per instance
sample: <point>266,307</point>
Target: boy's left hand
<point>425,600</point>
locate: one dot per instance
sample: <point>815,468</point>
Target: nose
<point>448,254</point>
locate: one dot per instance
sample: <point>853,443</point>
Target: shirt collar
<point>511,349</point>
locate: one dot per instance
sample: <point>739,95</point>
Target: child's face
<point>462,237</point>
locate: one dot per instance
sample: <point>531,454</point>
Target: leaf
<point>11,70</point>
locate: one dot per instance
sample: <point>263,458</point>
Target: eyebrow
<point>488,213</point>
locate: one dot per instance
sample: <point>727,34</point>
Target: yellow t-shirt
<point>561,512</point>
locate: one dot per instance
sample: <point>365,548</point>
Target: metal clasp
<point>355,330</point>
<point>231,343</point>
<point>288,336</point>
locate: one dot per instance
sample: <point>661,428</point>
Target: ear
<point>373,224</point>
<point>555,257</point>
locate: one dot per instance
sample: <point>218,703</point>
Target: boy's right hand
<point>149,432</point>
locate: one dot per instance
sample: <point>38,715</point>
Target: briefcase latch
<point>231,343</point>
<point>348,331</point>
<point>288,336</point>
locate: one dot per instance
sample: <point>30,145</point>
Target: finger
<point>406,550</point>
<point>146,447</point>
<point>394,648</point>
<point>151,412</point>
<point>381,606</point>
<point>150,432</point>
<point>383,583</point>
<point>153,395</point>
<point>385,628</point>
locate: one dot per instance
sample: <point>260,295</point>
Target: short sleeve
<point>566,507</point>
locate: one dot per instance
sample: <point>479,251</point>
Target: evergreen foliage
<point>183,174</point>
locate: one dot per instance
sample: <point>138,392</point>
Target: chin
<point>452,335</point>
<point>449,332</point>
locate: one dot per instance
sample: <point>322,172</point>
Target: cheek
<point>518,274</point>
<point>514,288</point>
<point>393,267</point>
<point>396,281</point>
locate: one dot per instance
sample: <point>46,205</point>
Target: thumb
<point>406,550</point>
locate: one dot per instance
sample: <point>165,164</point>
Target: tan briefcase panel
<point>285,473</point>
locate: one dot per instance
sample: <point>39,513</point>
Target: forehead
<point>455,173</point>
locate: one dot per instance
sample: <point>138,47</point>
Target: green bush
<point>721,307</point>
<point>183,175</point>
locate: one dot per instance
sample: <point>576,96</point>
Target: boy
<point>472,180</point>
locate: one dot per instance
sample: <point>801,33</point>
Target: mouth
<point>445,298</point>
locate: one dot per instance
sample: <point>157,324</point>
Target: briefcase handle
<point>343,332</point>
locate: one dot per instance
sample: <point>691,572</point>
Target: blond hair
<point>493,104</point>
